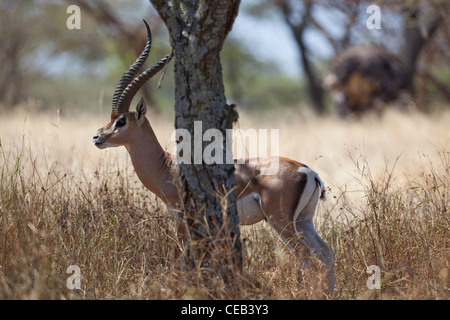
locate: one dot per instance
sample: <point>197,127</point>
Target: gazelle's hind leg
<point>304,228</point>
<point>310,238</point>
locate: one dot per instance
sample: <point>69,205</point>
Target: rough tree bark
<point>197,30</point>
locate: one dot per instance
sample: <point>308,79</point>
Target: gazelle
<point>286,200</point>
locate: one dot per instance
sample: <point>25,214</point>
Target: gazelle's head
<point>124,123</point>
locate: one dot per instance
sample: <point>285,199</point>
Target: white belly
<point>249,209</point>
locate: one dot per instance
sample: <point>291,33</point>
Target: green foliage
<point>255,84</point>
<point>79,69</point>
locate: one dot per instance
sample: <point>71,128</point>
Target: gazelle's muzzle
<point>99,138</point>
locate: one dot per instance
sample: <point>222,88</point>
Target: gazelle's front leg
<point>181,230</point>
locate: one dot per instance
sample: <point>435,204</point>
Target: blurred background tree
<point>412,29</point>
<point>43,61</point>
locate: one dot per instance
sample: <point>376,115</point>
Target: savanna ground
<point>64,202</point>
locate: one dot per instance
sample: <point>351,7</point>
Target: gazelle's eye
<point>120,123</point>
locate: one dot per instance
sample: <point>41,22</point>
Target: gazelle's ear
<point>141,109</point>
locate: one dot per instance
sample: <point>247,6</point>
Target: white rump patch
<point>308,190</point>
<point>316,177</point>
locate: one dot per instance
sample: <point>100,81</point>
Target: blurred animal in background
<point>365,78</point>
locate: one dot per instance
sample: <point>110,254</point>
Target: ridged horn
<point>132,88</point>
<point>129,75</point>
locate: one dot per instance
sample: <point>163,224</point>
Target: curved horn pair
<point>128,85</point>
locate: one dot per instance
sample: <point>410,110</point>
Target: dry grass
<point>63,202</point>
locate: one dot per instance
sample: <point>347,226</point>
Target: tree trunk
<point>298,27</point>
<point>314,85</point>
<point>416,35</point>
<point>198,30</point>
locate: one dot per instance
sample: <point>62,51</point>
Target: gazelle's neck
<point>152,164</point>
